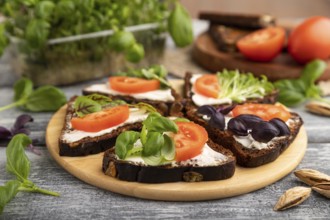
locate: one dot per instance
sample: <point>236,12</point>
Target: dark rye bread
<point>187,94</point>
<point>165,108</point>
<point>135,172</point>
<point>89,145</point>
<point>244,156</point>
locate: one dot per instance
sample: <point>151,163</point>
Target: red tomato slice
<point>264,111</point>
<point>132,84</point>
<point>208,85</point>
<point>189,140</point>
<point>101,120</point>
<point>262,45</point>
<point>310,40</point>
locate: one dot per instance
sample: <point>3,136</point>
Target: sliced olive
<point>264,131</point>
<point>249,119</point>
<point>206,110</point>
<point>281,125</point>
<point>226,110</point>
<point>217,120</point>
<point>238,127</point>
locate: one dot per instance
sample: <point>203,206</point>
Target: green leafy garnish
<point>156,146</point>
<point>157,72</point>
<point>44,98</point>
<point>240,87</point>
<point>295,91</point>
<point>19,165</point>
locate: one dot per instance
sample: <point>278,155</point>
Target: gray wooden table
<point>79,200</point>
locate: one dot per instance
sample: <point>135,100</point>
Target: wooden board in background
<point>245,180</point>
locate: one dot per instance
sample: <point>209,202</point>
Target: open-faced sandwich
<point>168,151</point>
<point>256,133</point>
<point>143,85</point>
<point>93,122</point>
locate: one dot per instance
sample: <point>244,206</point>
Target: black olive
<point>264,131</point>
<point>226,110</point>
<point>249,119</point>
<point>238,127</point>
<point>206,110</point>
<point>217,120</point>
<point>282,127</point>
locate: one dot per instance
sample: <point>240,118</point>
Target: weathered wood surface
<point>79,200</point>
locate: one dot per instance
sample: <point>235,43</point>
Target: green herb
<point>45,98</point>
<point>84,105</point>
<point>295,91</point>
<point>19,165</point>
<point>240,87</point>
<point>157,72</point>
<point>156,146</point>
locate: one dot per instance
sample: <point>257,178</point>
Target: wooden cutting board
<point>206,54</point>
<point>245,180</point>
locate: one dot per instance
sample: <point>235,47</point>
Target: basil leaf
<point>291,97</point>
<point>65,8</point>
<point>153,160</point>
<point>8,192</point>
<point>3,38</point>
<point>134,53</point>
<point>181,120</point>
<point>17,162</point>
<point>145,106</point>
<point>100,99</point>
<point>22,88</point>
<point>312,71</point>
<point>179,26</point>
<point>313,91</point>
<point>83,106</point>
<point>125,142</point>
<point>37,32</point>
<point>44,9</point>
<point>168,149</point>
<point>157,123</point>
<point>153,144</point>
<point>121,40</point>
<point>45,98</point>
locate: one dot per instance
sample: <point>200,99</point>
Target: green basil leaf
<point>100,99</point>
<point>3,38</point>
<point>45,98</point>
<point>180,26</point>
<point>125,142</point>
<point>157,123</point>
<point>8,192</point>
<point>168,149</point>
<point>313,91</point>
<point>17,162</point>
<point>312,71</point>
<point>153,160</point>
<point>44,9</point>
<point>145,106</point>
<point>153,144</point>
<point>83,106</point>
<point>291,97</point>
<point>121,40</point>
<point>37,32</point>
<point>134,53</point>
<point>22,88</point>
<point>65,8</point>
<point>181,120</point>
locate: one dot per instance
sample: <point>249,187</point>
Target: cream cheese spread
<point>164,95</point>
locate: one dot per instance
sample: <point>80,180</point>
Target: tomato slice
<point>189,140</point>
<point>132,84</point>
<point>264,111</point>
<point>101,120</point>
<point>208,85</point>
<point>262,45</point>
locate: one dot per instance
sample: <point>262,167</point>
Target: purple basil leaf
<point>32,149</point>
<point>21,131</point>
<point>5,133</point>
<point>21,121</point>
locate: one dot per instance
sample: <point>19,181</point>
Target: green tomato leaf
<point>125,142</point>
<point>153,144</point>
<point>158,123</point>
<point>312,71</point>
<point>180,26</point>
<point>134,53</point>
<point>45,98</point>
<point>84,105</point>
<point>17,162</point>
<point>44,9</point>
<point>8,192</point>
<point>121,40</point>
<point>22,88</point>
<point>168,149</point>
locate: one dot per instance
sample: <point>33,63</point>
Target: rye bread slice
<point>188,172</point>
<point>249,157</point>
<point>89,145</point>
<point>170,108</point>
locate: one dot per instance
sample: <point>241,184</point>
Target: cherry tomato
<point>262,45</point>
<point>101,120</point>
<point>208,85</point>
<point>264,111</point>
<point>310,40</point>
<point>132,84</point>
<point>189,141</point>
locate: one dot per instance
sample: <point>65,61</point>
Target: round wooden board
<point>89,170</point>
<point>206,54</point>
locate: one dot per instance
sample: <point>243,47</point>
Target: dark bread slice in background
<point>89,145</point>
<point>244,156</point>
<point>172,108</point>
<point>137,172</point>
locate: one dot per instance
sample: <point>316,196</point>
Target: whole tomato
<point>310,40</point>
